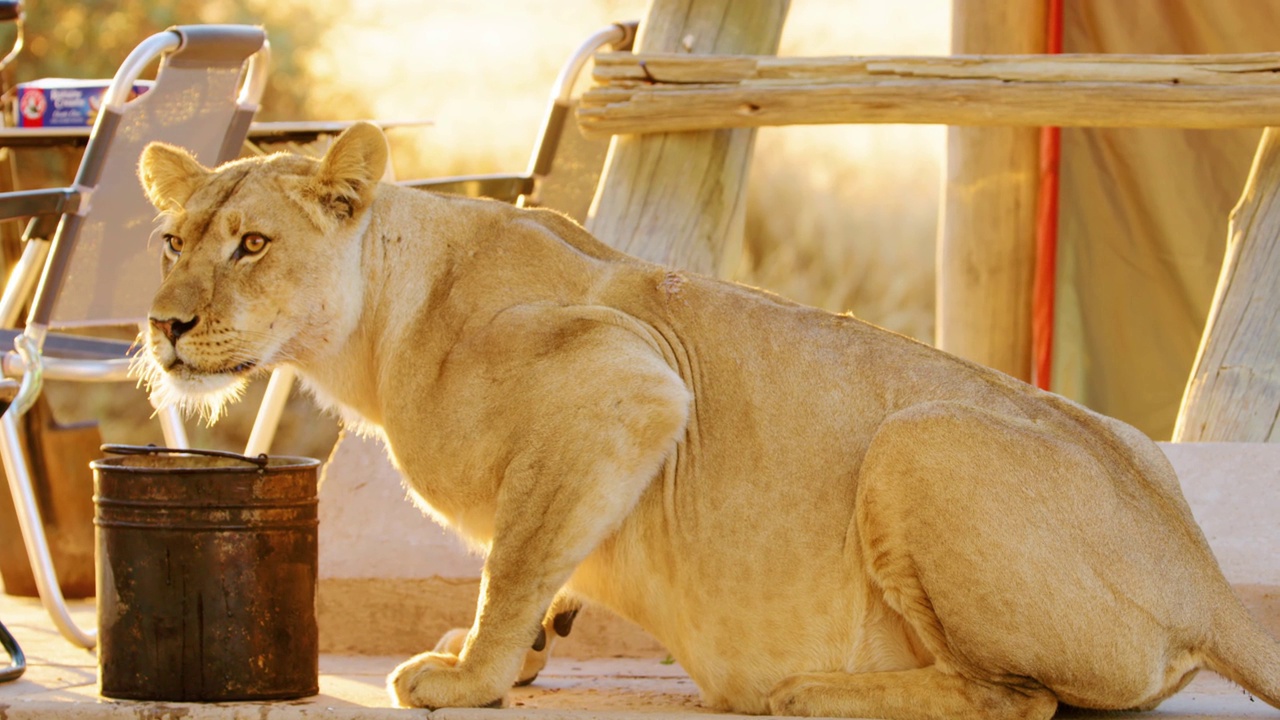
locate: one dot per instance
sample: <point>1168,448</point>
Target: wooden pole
<point>678,199</point>
<point>986,253</point>
<point>1233,394</point>
<point>671,93</point>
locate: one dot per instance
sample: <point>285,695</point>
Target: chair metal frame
<point>34,360</point>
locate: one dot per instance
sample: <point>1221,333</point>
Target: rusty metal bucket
<point>206,573</point>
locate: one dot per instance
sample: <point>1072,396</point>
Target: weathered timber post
<point>680,198</point>
<point>986,252</point>
<point>1234,391</point>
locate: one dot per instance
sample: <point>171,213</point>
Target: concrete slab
<point>61,682</point>
<point>365,511</point>
<point>1234,492</point>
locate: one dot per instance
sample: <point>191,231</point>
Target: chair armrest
<point>55,368</point>
<point>53,201</point>
<point>76,347</point>
<point>73,357</point>
<point>500,187</point>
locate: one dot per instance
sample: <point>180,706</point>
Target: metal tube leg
<point>21,280</point>
<point>24,501</point>
<point>17,660</point>
<point>268,420</point>
<point>171,424</point>
<point>175,432</point>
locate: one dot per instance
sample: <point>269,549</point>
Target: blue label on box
<point>63,103</point>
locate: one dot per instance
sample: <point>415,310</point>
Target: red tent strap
<point>1044,281</point>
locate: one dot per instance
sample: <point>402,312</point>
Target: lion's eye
<point>173,243</point>
<point>253,243</point>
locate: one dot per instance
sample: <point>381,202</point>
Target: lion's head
<point>261,264</point>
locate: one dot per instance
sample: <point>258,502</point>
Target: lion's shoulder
<point>571,233</point>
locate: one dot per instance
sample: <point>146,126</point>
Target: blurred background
<point>842,217</point>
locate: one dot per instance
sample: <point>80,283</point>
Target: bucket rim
<point>276,463</point>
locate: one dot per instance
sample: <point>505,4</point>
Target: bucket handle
<point>260,460</point>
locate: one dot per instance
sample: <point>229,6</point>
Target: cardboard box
<point>58,102</point>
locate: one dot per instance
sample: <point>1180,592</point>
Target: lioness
<point>815,516</point>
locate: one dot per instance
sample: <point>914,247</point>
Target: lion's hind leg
<point>921,694</point>
<point>1020,555</point>
<point>557,623</point>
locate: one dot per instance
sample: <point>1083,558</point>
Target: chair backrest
<point>104,265</point>
<point>566,166</point>
<point>566,163</point>
<point>568,183</point>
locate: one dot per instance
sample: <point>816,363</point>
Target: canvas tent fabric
<point>1144,212</point>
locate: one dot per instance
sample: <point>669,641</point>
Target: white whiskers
<point>205,396</point>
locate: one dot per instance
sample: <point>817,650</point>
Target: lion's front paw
<point>434,680</point>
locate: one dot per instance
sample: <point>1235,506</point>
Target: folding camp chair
<point>101,266</point>
<point>577,161</point>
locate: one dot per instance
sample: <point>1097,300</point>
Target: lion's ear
<point>350,171</point>
<point>169,175</point>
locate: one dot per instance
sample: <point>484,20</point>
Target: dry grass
<point>845,217</point>
<point>839,217</point>
<point>843,235</point>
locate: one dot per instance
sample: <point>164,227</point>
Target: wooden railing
<point>672,92</point>
<point>1234,390</point>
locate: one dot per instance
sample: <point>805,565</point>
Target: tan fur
<point>814,515</point>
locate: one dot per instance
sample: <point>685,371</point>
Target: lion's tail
<point>1241,651</point>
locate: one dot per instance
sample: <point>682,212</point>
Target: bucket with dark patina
<point>206,575</point>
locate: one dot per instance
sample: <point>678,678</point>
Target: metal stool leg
<point>264,426</point>
<point>24,501</point>
<point>22,280</point>
<point>175,432</point>
<point>17,660</point>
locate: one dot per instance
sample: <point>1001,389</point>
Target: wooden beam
<point>670,93</point>
<point>680,199</point>
<point>1233,394</point>
<point>986,245</point>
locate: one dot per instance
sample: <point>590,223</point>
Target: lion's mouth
<point>179,366</point>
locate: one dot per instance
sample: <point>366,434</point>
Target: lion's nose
<point>173,328</point>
